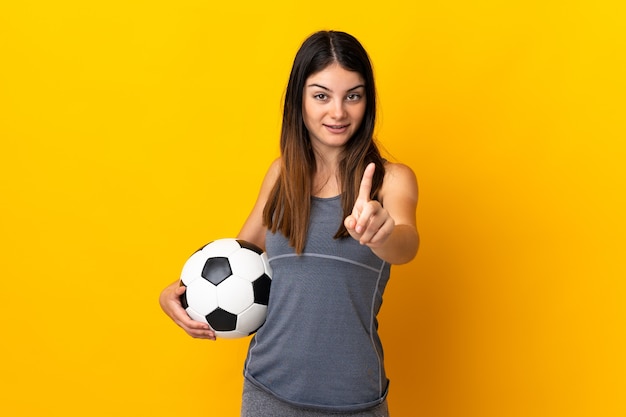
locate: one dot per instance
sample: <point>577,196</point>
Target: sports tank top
<point>319,347</point>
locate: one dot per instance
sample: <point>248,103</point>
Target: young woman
<point>333,216</point>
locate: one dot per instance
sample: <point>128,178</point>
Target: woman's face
<point>333,106</point>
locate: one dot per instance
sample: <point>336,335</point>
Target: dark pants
<point>258,403</point>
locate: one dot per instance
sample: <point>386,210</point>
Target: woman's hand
<point>370,223</point>
<point>170,303</point>
<point>387,227</point>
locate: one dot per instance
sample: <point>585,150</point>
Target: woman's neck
<point>325,180</point>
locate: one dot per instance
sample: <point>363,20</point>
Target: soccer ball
<point>228,287</point>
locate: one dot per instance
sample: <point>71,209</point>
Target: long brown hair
<point>289,204</point>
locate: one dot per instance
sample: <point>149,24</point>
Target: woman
<point>332,215</point>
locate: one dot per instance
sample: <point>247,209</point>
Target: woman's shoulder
<point>398,178</point>
<point>273,172</point>
<point>398,171</point>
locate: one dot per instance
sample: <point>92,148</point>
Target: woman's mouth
<point>337,128</point>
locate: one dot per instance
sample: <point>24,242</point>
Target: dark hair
<point>288,207</point>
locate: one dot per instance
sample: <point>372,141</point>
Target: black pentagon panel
<point>261,288</point>
<point>183,299</point>
<point>221,320</point>
<point>216,270</point>
<point>250,246</point>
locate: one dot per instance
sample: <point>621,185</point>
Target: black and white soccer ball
<point>228,287</point>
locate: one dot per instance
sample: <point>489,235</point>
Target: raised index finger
<point>365,189</point>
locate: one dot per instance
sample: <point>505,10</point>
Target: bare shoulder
<point>399,178</point>
<point>275,167</point>
<point>272,174</point>
<point>395,170</point>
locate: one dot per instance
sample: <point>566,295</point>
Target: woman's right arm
<point>252,231</point>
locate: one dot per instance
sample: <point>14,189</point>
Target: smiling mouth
<point>336,127</point>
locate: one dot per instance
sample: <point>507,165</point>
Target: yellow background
<point>132,132</point>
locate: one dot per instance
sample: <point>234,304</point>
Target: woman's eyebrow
<point>328,89</point>
<point>319,86</point>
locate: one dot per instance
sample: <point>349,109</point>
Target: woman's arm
<point>252,231</point>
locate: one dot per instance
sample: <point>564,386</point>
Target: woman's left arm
<point>387,226</point>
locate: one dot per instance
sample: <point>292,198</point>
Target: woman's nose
<point>338,110</point>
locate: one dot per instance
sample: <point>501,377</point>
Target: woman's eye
<point>320,96</point>
<point>353,97</point>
